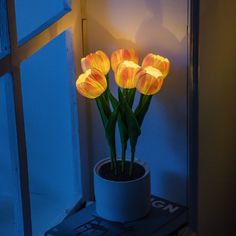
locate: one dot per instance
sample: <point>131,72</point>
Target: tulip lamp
<point>122,184</point>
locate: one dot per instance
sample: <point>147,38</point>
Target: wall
<point>158,26</point>
<point>217,116</point>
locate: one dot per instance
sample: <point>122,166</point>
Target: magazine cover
<point>163,217</point>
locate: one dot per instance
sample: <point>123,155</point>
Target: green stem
<point>131,97</point>
<point>105,105</point>
<point>131,162</point>
<point>108,119</point>
<point>108,81</point>
<point>124,147</point>
<point>142,108</point>
<point>102,112</point>
<point>107,89</point>
<point>113,160</point>
<point>140,104</point>
<point>125,93</point>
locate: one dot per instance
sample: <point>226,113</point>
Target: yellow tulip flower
<point>91,84</point>
<point>98,60</point>
<point>149,80</point>
<point>157,61</point>
<point>121,55</point>
<point>125,74</point>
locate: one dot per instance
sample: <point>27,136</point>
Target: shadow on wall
<point>163,143</point>
<point>164,42</point>
<point>168,107</point>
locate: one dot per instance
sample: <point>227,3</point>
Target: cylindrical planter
<point>122,201</point>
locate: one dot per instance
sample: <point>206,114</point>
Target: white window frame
<point>71,22</point>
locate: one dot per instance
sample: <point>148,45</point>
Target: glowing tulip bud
<point>98,60</point>
<point>123,55</point>
<point>149,80</point>
<point>157,61</point>
<point>91,84</point>
<point>125,74</point>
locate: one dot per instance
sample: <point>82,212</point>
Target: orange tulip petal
<point>157,61</point>
<point>105,61</point>
<point>149,80</point>
<point>98,60</point>
<point>121,55</point>
<point>87,90</point>
<point>125,74</point>
<point>91,84</point>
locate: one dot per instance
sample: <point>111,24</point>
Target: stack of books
<point>164,218</point>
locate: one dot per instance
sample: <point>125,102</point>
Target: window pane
<point>9,195</point>
<point>4,39</point>
<point>52,140</point>
<point>30,15</point>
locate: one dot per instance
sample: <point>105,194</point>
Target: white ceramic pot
<point>122,201</point>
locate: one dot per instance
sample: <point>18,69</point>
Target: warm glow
<point>98,60</point>
<point>91,84</point>
<point>157,61</point>
<point>125,74</point>
<point>83,76</point>
<point>153,71</point>
<point>131,64</point>
<point>121,55</point>
<point>149,80</point>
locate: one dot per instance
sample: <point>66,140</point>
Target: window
<point>40,165</point>
<point>9,196</point>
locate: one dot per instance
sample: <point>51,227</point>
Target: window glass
<point>52,141</point>
<point>4,39</point>
<point>30,15</point>
<point>9,193</point>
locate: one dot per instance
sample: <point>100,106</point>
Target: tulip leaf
<point>124,136</point>
<point>131,95</point>
<point>107,89</point>
<point>132,124</point>
<point>101,110</point>
<point>105,105</point>
<point>121,119</point>
<point>114,101</point>
<point>109,122</point>
<point>110,133</point>
<point>142,108</point>
<point>140,104</point>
